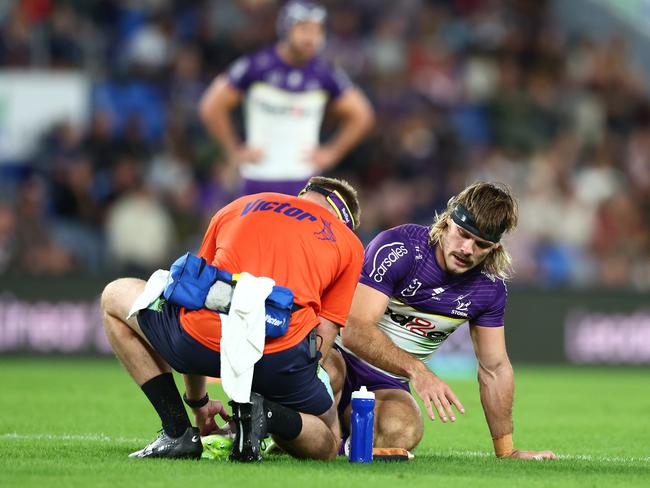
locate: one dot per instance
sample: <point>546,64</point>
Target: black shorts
<point>287,377</point>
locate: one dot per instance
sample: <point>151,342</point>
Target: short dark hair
<point>346,191</point>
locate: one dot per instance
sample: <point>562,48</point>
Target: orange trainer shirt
<point>299,244</point>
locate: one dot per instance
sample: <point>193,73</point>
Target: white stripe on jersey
<point>284,125</point>
<point>418,333</point>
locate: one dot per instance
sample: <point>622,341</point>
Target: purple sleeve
<point>387,261</point>
<point>336,82</point>
<point>240,73</point>
<point>493,315</point>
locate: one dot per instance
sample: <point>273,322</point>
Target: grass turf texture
<point>72,422</point>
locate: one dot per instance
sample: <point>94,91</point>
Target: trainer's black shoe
<point>251,429</point>
<point>187,446</point>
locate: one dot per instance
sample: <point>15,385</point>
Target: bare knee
<point>317,440</point>
<point>118,296</point>
<point>329,448</point>
<point>397,431</point>
<point>115,302</point>
<point>398,421</point>
<point>109,296</point>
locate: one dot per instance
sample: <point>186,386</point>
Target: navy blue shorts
<point>359,374</point>
<point>287,377</point>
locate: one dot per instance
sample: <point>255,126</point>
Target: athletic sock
<point>283,421</point>
<point>163,395</point>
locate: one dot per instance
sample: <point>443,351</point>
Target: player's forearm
<point>220,127</point>
<point>371,344</point>
<point>195,386</point>
<point>497,390</point>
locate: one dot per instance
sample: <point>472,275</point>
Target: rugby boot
<point>187,446</point>
<point>250,423</point>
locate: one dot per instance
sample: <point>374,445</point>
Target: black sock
<point>282,421</point>
<point>163,395</point>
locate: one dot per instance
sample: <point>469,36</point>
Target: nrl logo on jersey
<point>462,305</point>
<point>410,290</point>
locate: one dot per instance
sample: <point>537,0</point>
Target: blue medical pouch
<point>279,306</point>
<point>190,279</point>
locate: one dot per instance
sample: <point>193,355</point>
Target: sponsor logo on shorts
<point>385,257</point>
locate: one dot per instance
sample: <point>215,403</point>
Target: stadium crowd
<point>463,90</point>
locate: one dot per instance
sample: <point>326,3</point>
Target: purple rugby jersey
<point>427,304</point>
<point>283,110</point>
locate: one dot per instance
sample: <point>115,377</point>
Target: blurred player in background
<point>300,243</point>
<point>286,89</point>
<point>418,285</point>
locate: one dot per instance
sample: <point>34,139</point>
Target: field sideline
<point>71,422</point>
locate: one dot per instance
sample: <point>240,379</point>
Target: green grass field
<point>72,422</point>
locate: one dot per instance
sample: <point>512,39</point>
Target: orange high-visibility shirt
<point>297,243</point>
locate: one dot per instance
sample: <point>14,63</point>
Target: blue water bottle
<point>362,423</point>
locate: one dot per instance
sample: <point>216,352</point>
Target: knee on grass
<point>393,431</point>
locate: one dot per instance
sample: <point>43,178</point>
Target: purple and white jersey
<point>283,110</point>
<point>427,304</point>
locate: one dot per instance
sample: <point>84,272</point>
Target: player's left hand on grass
<point>323,158</point>
<point>205,421</point>
<point>535,455</point>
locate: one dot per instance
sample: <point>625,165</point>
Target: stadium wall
<point>595,326</point>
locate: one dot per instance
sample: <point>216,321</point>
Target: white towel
<point>152,290</point>
<point>243,333</point>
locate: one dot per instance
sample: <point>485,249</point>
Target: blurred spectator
<point>7,235</point>
<point>15,36</point>
<point>35,249</point>
<point>463,90</point>
<point>139,232</point>
<point>285,89</point>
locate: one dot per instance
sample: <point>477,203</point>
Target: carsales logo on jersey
<point>385,257</point>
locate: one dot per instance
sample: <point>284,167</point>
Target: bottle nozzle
<point>363,392</point>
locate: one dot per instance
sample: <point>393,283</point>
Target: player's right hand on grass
<point>436,393</point>
<point>205,421</point>
<point>535,455</point>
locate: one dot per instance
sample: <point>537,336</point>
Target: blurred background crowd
<point>463,90</point>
